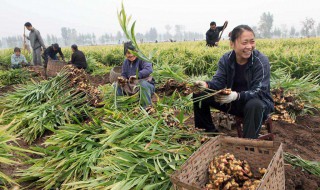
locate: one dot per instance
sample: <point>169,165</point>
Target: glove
<point>225,99</point>
<point>121,79</point>
<point>23,63</point>
<point>132,78</point>
<point>201,84</point>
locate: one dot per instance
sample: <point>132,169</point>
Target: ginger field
<point>72,132</point>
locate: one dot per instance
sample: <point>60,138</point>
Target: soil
<point>301,138</point>
<point>97,80</point>
<point>39,70</point>
<point>6,89</point>
<point>296,179</point>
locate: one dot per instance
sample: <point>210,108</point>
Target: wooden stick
<point>224,27</point>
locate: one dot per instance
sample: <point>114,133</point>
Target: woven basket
<point>193,175</point>
<point>115,73</point>
<point>54,67</point>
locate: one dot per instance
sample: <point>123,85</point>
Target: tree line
<point>264,29</point>
<point>70,36</point>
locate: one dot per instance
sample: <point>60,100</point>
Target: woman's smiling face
<point>243,46</point>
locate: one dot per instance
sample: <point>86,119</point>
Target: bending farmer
<point>51,53</point>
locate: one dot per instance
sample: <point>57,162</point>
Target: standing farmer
<point>212,35</point>
<point>36,43</point>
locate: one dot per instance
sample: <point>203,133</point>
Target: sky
<point>100,16</point>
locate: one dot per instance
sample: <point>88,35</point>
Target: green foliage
<point>70,155</point>
<point>124,22</point>
<point>7,150</point>
<point>36,107</point>
<point>14,76</point>
<point>96,68</point>
<point>164,72</point>
<point>312,167</point>
<point>298,56</point>
<point>116,149</point>
<point>6,155</point>
<point>306,88</point>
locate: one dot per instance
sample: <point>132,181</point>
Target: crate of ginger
<point>228,163</point>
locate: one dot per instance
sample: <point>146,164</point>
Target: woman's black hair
<point>128,46</point>
<point>237,31</point>
<point>16,49</point>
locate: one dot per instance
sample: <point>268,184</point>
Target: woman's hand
<point>225,99</point>
<point>121,79</point>
<point>132,78</point>
<point>201,84</point>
